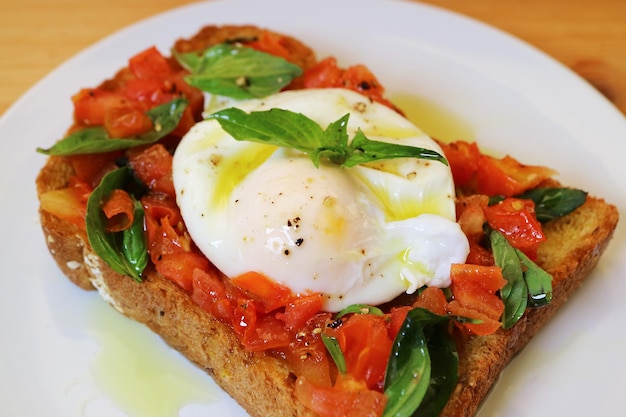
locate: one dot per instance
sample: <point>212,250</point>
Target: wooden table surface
<point>587,36</point>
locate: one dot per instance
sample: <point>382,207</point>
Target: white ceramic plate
<point>65,354</point>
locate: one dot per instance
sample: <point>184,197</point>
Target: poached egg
<point>360,235</point>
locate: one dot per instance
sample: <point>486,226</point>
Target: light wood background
<point>587,36</point>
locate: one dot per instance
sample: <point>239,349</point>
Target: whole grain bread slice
<point>262,384</point>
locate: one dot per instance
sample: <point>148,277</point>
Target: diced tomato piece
<point>463,158</point>
<point>471,219</point>
<point>153,167</point>
<point>517,221</point>
<point>244,316</point>
<point>366,345</point>
<point>475,286</point>
<point>119,209</point>
<point>472,296</point>
<point>90,168</point>
<point>92,104</point>
<point>180,267</point>
<point>326,73</point>
<point>300,309</point>
<point>397,315</point>
<point>488,278</point>
<point>486,326</point>
<point>159,206</point>
<point>209,292</point>
<point>69,204</point>
<point>164,228</point>
<point>306,356</point>
<point>126,122</point>
<point>507,176</point>
<point>267,294</point>
<point>176,84</point>
<point>433,299</point>
<point>150,64</point>
<point>146,93</point>
<point>470,214</point>
<point>264,332</point>
<point>270,43</point>
<point>345,399</point>
<point>474,289</point>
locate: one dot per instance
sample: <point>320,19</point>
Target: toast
<point>262,383</point>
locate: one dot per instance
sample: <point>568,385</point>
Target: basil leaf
<point>444,376</point>
<point>134,246</point>
<point>528,285</point>
<point>332,345</point>
<point>408,375</point>
<point>273,127</point>
<point>294,130</point>
<point>515,292</point>
<point>539,282</point>
<point>237,71</point>
<point>552,203</point>
<point>366,150</point>
<point>164,118</point>
<point>125,252</point>
<point>359,309</point>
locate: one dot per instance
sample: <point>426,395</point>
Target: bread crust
<point>262,384</point>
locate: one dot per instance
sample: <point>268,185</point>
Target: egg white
<point>358,235</point>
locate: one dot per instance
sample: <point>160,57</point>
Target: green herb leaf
<point>126,251</point>
<point>515,292</point>
<point>444,372</point>
<point>164,118</point>
<point>359,309</point>
<point>552,203</point>
<point>294,130</point>
<point>409,371</point>
<point>539,282</point>
<point>332,345</point>
<point>528,284</point>
<point>237,71</point>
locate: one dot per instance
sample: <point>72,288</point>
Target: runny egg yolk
<point>364,234</point>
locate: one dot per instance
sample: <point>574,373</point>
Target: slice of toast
<point>263,384</point>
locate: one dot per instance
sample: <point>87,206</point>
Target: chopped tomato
<point>150,64</point>
<point>474,289</point>
<point>327,74</point>
<point>347,398</point>
<point>68,203</point>
<point>153,167</point>
<point>119,210</point>
<point>92,104</point>
<point>432,299</point>
<point>261,332</point>
<point>267,294</point>
<point>126,122</point>
<point>471,219</point>
<point>306,356</point>
<point>300,309</point>
<point>517,221</point>
<point>463,158</point>
<point>484,326</point>
<point>180,267</point>
<point>366,345</point>
<point>397,315</point>
<point>90,168</point>
<point>164,228</point>
<point>488,278</point>
<point>270,43</point>
<point>507,176</point>
<point>209,292</point>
